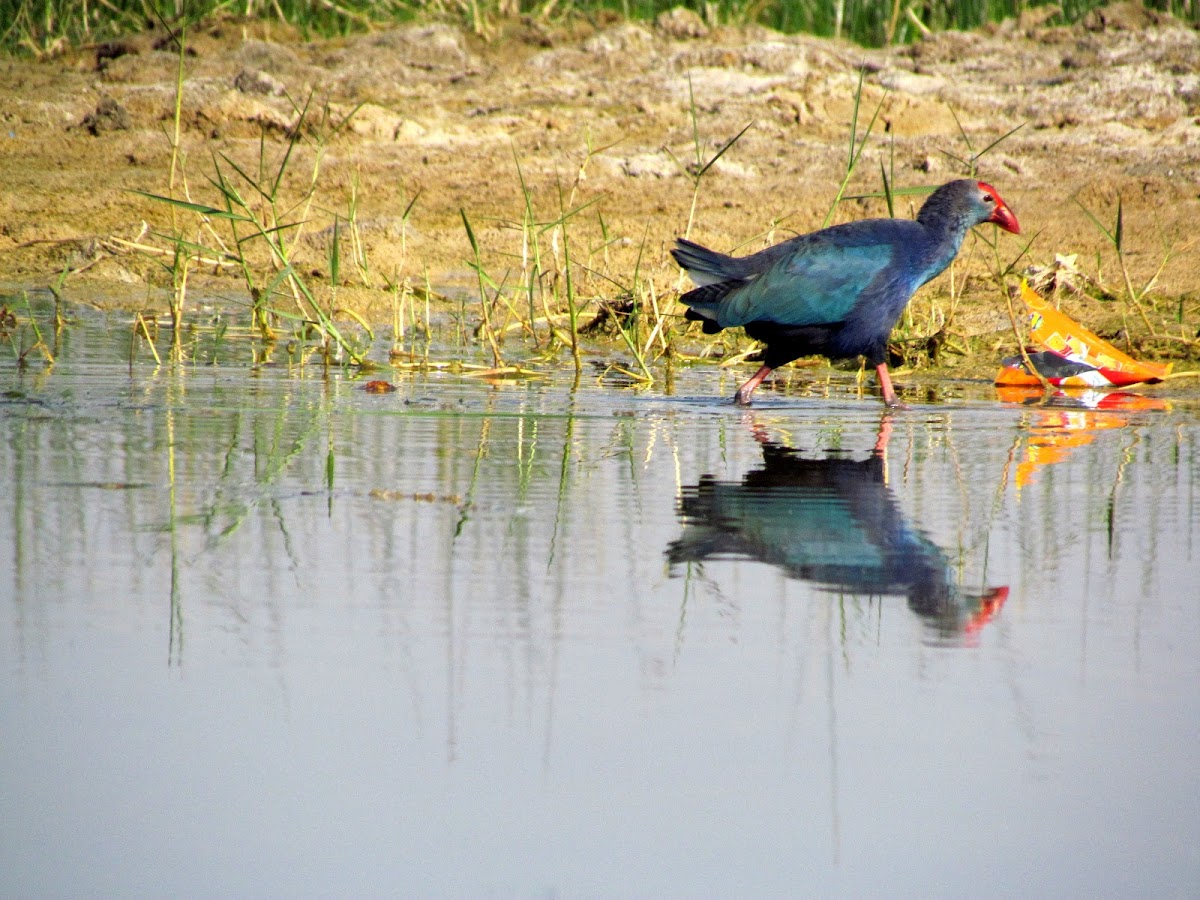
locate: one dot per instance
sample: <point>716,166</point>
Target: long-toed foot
<point>742,397</point>
<point>890,400</point>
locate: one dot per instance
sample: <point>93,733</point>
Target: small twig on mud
<point>120,245</point>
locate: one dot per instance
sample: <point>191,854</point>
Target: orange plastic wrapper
<point>1073,356</point>
<point>1070,421</point>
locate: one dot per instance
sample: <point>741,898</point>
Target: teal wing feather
<point>815,280</point>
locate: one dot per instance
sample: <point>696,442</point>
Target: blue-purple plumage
<point>839,291</point>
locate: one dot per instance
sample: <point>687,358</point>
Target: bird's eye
<point>988,198</point>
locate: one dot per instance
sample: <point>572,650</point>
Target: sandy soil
<point>1108,109</point>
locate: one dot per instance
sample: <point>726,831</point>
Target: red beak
<point>1003,217</point>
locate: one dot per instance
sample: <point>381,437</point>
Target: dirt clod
<point>109,115</point>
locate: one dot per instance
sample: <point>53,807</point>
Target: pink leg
<point>885,386</point>
<point>742,397</point>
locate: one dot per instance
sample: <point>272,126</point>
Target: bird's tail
<point>703,265</point>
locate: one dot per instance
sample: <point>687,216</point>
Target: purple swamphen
<point>839,291</point>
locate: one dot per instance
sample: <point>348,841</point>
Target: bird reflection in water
<point>832,521</point>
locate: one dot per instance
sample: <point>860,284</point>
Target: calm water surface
<point>263,632</point>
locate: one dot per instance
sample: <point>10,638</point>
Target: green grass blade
<point>1003,137</point>
<point>193,207</point>
<point>1087,212</point>
<point>565,217</point>
<point>411,203</point>
<point>293,140</point>
<point>887,191</point>
<point>1119,231</point>
<point>855,150</point>
<point>470,232</point>
<point>733,140</point>
<point>916,191</point>
<point>961,131</point>
<point>226,187</point>
<point>335,255</point>
<point>862,73</point>
<point>695,120</point>
<point>190,246</point>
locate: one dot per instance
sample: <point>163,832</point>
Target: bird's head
<point>965,203</point>
<point>1000,214</point>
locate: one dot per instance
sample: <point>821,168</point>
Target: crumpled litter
<point>1072,355</point>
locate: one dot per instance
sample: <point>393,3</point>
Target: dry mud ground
<point>1109,109</point>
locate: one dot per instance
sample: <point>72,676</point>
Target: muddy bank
<point>602,119</point>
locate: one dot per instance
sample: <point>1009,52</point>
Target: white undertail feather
<point>702,278</point>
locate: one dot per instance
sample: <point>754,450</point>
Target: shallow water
<point>265,632</point>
